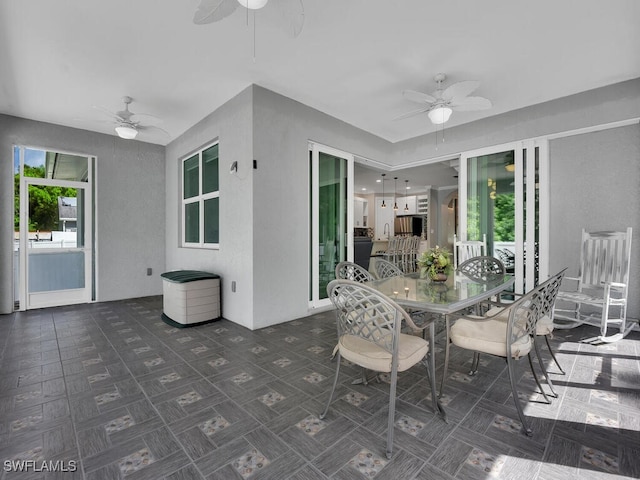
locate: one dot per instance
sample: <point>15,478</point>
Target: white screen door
<point>55,235</point>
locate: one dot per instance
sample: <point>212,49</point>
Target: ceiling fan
<point>210,11</point>
<point>442,102</point>
<point>129,124</point>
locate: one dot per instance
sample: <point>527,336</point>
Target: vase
<point>439,277</point>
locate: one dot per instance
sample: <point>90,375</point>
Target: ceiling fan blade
<point>210,11</point>
<point>471,103</point>
<point>460,90</point>
<point>413,112</point>
<point>153,128</point>
<point>418,97</point>
<point>145,119</point>
<point>293,13</point>
<point>114,116</point>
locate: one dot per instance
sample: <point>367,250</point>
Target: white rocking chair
<point>465,249</point>
<point>601,287</point>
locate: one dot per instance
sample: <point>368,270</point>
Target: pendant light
<point>406,205</point>
<point>395,186</point>
<point>384,205</point>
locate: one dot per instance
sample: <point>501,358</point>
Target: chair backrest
<point>604,258</point>
<point>525,312</point>
<point>352,271</point>
<point>385,269</point>
<point>366,313</point>
<point>466,249</point>
<point>481,268</point>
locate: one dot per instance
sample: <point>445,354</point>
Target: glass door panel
<point>491,201</point>
<point>56,254</point>
<point>503,199</point>
<point>332,217</point>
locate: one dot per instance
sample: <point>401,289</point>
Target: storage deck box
<point>190,297</point>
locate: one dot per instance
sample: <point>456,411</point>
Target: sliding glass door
<point>504,196</point>
<point>331,217</point>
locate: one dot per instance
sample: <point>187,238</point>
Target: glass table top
<point>457,292</point>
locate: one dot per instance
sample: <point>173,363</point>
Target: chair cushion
<point>543,327</point>
<point>487,336</point>
<point>411,350</point>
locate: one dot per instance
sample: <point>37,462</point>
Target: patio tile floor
<point>111,388</point>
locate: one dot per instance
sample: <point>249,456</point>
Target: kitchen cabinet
<point>360,212</point>
<point>410,202</point>
<point>384,216</point>
<point>422,204</point>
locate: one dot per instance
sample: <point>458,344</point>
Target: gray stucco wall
<point>130,206</point>
<point>282,131</point>
<point>231,124</point>
<point>595,184</point>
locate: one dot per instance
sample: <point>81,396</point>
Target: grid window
<point>201,199</point>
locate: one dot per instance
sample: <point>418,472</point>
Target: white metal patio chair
<point>598,295</point>
<point>386,269</point>
<point>369,334</point>
<point>509,334</point>
<point>352,271</point>
<point>544,328</point>
<point>466,249</point>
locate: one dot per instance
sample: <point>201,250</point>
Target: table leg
<point>432,372</point>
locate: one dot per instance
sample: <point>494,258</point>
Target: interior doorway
<point>331,225</point>
<point>504,195</point>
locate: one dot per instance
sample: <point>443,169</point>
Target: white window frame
<point>200,199</point>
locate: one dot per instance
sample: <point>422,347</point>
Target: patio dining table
<point>440,298</point>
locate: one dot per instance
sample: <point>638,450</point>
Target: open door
<point>504,195</point>
<point>331,218</point>
<point>55,233</point>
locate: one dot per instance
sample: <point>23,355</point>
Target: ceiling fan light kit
<point>253,4</point>
<point>440,104</point>
<point>440,115</point>
<point>128,124</point>
<point>126,131</point>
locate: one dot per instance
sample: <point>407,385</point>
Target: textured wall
<point>595,184</point>
<point>130,206</point>
<point>234,261</point>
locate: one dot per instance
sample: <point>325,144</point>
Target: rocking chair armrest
<point>615,288</point>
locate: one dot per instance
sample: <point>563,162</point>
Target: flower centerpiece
<point>435,263</point>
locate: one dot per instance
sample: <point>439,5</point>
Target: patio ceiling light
<point>440,114</point>
<point>253,4</point>
<point>125,131</point>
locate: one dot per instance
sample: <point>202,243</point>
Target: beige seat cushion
<point>487,336</point>
<point>543,327</point>
<point>371,356</point>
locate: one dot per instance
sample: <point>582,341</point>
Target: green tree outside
<point>504,212</point>
<point>43,202</point>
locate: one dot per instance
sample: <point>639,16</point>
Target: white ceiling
<point>58,58</point>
